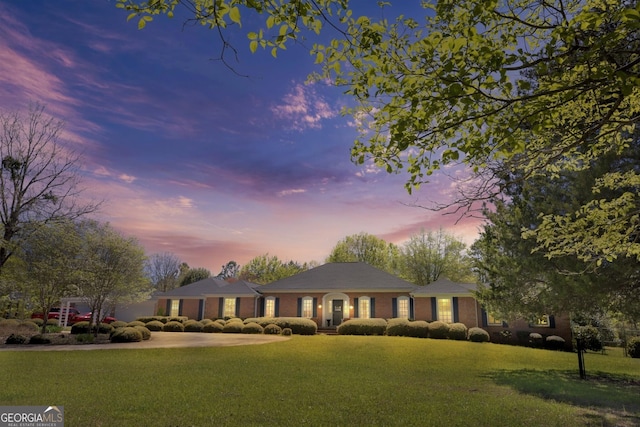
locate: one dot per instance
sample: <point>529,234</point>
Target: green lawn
<point>327,380</point>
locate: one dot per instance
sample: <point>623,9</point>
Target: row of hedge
<point>255,325</point>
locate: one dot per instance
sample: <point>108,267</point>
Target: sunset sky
<point>193,158</point>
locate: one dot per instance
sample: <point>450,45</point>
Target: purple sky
<point>193,159</point>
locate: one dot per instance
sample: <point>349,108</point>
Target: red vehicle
<point>55,313</point>
<point>87,317</point>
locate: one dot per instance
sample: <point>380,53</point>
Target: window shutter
<point>456,316</point>
<point>315,307</point>
<point>356,309</point>
<point>485,320</point>
<point>434,308</point>
<point>180,307</point>
<point>200,309</point>
<point>394,307</point>
<point>411,315</point>
<point>262,305</point>
<point>373,307</point>
<point>168,308</point>
<point>505,324</point>
<point>552,321</point>
<point>221,307</point>
<point>238,306</point>
<point>299,313</point>
<point>277,308</point>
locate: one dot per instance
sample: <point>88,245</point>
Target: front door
<point>337,312</point>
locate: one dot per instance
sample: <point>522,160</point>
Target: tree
<point>364,247</point>
<point>39,178</point>
<point>111,268</point>
<point>192,275</point>
<point>428,256</point>
<point>230,269</point>
<point>265,269</point>
<point>163,269</point>
<point>456,87</point>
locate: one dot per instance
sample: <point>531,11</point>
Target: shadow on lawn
<point>608,394</point>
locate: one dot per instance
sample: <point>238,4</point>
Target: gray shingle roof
<point>340,276</point>
<point>444,286</point>
<point>212,287</point>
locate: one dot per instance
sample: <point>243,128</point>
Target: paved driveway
<point>163,340</point>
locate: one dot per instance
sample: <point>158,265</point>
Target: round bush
<point>39,339</point>
<point>535,339</point>
<point>126,334</point>
<point>173,326</point>
<point>478,335</point>
<point>83,328</point>
<point>154,325</point>
<point>272,329</point>
<point>135,323</point>
<point>286,332</point>
<point>397,327</point>
<point>633,347</point>
<point>52,322</point>
<point>28,326</point>
<point>252,328</point>
<point>375,326</point>
<point>220,322</point>
<point>418,329</point>
<point>9,323</point>
<point>192,326</point>
<point>212,327</point>
<point>146,333</point>
<point>38,321</point>
<point>298,325</point>
<point>438,330</point>
<point>206,321</point>
<point>233,327</point>
<point>554,342</point>
<point>119,324</point>
<point>16,339</point>
<point>457,331</point>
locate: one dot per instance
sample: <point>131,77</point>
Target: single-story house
<point>333,292</point>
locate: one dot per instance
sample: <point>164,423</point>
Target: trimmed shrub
<point>298,325</point>
<point>233,327</point>
<point>252,328</point>
<point>633,347</point>
<point>272,329</point>
<point>220,322</point>
<point>154,325</point>
<point>206,321</point>
<point>212,327</point>
<point>554,342</point>
<point>39,339</point>
<point>28,326</point>
<point>180,319</point>
<point>16,339</point>
<point>192,326</point>
<point>38,322</point>
<point>397,327</point>
<point>375,326</point>
<point>126,334</point>
<point>144,331</point>
<point>135,323</point>
<point>286,332</point>
<point>418,329</point>
<point>9,323</point>
<point>173,326</point>
<point>120,324</point>
<point>52,322</point>
<point>438,330</point>
<point>457,331</point>
<point>478,335</point>
<point>535,339</point>
<point>83,328</point>
<point>590,336</point>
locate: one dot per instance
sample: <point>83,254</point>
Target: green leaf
<point>234,15</point>
<point>142,23</point>
<point>253,46</point>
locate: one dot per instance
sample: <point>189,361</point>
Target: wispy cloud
<point>302,108</point>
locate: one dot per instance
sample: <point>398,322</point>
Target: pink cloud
<point>303,109</point>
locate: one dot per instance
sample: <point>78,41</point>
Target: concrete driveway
<point>162,340</point>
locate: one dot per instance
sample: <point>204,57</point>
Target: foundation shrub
<point>233,319</point>
<point>120,324</point>
<point>144,331</point>
<point>298,325</point>
<point>536,340</point>
<point>174,326</point>
<point>220,322</point>
<point>28,326</point>
<point>9,323</point>
<point>83,328</point>
<point>397,327</point>
<point>212,327</point>
<point>39,339</point>
<point>374,326</point>
<point>126,334</point>
<point>206,321</point>
<point>478,335</point>
<point>554,342</point>
<point>418,329</point>
<point>286,332</point>
<point>252,328</point>
<point>52,322</point>
<point>272,329</point>
<point>16,339</point>
<point>193,326</point>
<point>147,319</point>
<point>37,321</point>
<point>135,323</point>
<point>233,328</point>
<point>180,319</point>
<point>457,331</point>
<point>633,347</point>
<point>438,330</point>
<point>154,325</point>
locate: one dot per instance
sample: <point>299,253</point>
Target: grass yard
<point>327,380</point>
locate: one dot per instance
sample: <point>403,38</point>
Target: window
<point>270,307</point>
<point>445,310</point>
<point>542,322</point>
<point>493,320</point>
<point>403,307</point>
<point>175,307</point>
<point>364,307</point>
<point>307,307</point>
<point>229,307</point>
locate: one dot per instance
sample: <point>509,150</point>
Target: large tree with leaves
<point>454,86</point>
<point>365,247</point>
<point>267,268</point>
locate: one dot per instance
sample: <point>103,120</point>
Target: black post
<point>580,345</point>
